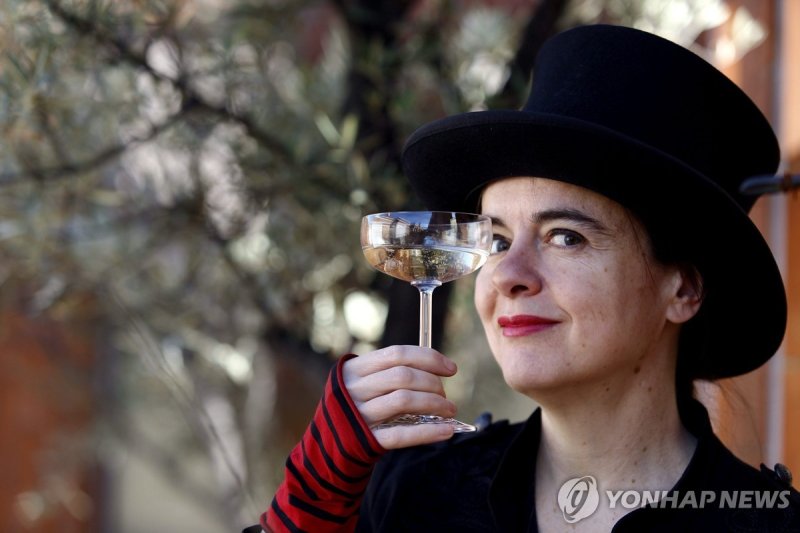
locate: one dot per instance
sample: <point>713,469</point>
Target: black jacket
<point>483,482</point>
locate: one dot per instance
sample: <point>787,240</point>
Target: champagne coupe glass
<point>426,249</point>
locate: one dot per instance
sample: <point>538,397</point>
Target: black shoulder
<point>486,442</point>
<point>423,485</point>
<point>779,478</point>
<point>723,493</point>
<point>760,499</point>
<point>780,475</point>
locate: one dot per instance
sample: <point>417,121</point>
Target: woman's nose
<point>517,271</point>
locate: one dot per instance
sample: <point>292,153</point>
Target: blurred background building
<point>181,183</point>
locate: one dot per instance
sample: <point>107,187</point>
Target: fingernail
<point>453,409</point>
<point>451,366</point>
<point>446,431</point>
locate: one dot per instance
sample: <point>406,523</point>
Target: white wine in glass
<point>426,249</point>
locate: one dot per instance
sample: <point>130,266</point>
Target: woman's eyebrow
<point>573,215</point>
<point>497,221</point>
<point>549,215</point>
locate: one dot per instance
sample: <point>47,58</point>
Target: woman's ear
<point>687,295</point>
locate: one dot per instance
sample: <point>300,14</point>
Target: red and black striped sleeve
<point>327,473</point>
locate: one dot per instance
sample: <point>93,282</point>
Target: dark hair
<point>693,343</point>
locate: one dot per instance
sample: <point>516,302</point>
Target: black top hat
<point>654,127</point>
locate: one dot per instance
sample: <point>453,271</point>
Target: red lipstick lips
<point>521,325</point>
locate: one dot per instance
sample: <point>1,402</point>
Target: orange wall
<point>770,75</point>
<point>46,459</point>
<point>790,104</point>
<point>738,405</point>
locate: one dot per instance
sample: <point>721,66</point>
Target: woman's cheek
<point>484,298</point>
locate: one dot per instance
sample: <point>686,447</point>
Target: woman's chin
<point>535,383</point>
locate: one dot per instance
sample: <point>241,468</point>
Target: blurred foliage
<point>200,168</point>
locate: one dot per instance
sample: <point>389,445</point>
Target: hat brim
<point>449,161</point>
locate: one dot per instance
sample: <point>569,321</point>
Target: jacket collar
<point>511,507</point>
<point>511,494</point>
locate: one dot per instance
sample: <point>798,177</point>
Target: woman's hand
<point>400,380</point>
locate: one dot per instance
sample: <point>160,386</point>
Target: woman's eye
<point>499,244</point>
<point>565,238</point>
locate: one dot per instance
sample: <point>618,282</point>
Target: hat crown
<point>657,93</point>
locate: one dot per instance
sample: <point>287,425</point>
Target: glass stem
<point>425,309</point>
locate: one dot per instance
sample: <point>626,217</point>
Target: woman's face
<point>571,295</point>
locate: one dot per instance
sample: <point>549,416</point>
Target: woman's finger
<point>426,359</point>
<point>402,436</point>
<point>404,401</point>
<point>399,377</point>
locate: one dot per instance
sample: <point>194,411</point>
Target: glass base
<point>413,420</point>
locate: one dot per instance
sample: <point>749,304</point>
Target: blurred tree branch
<point>209,169</point>
<point>122,51</point>
<point>70,168</point>
<point>540,26</point>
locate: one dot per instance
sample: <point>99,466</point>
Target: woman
<point>624,266</point>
